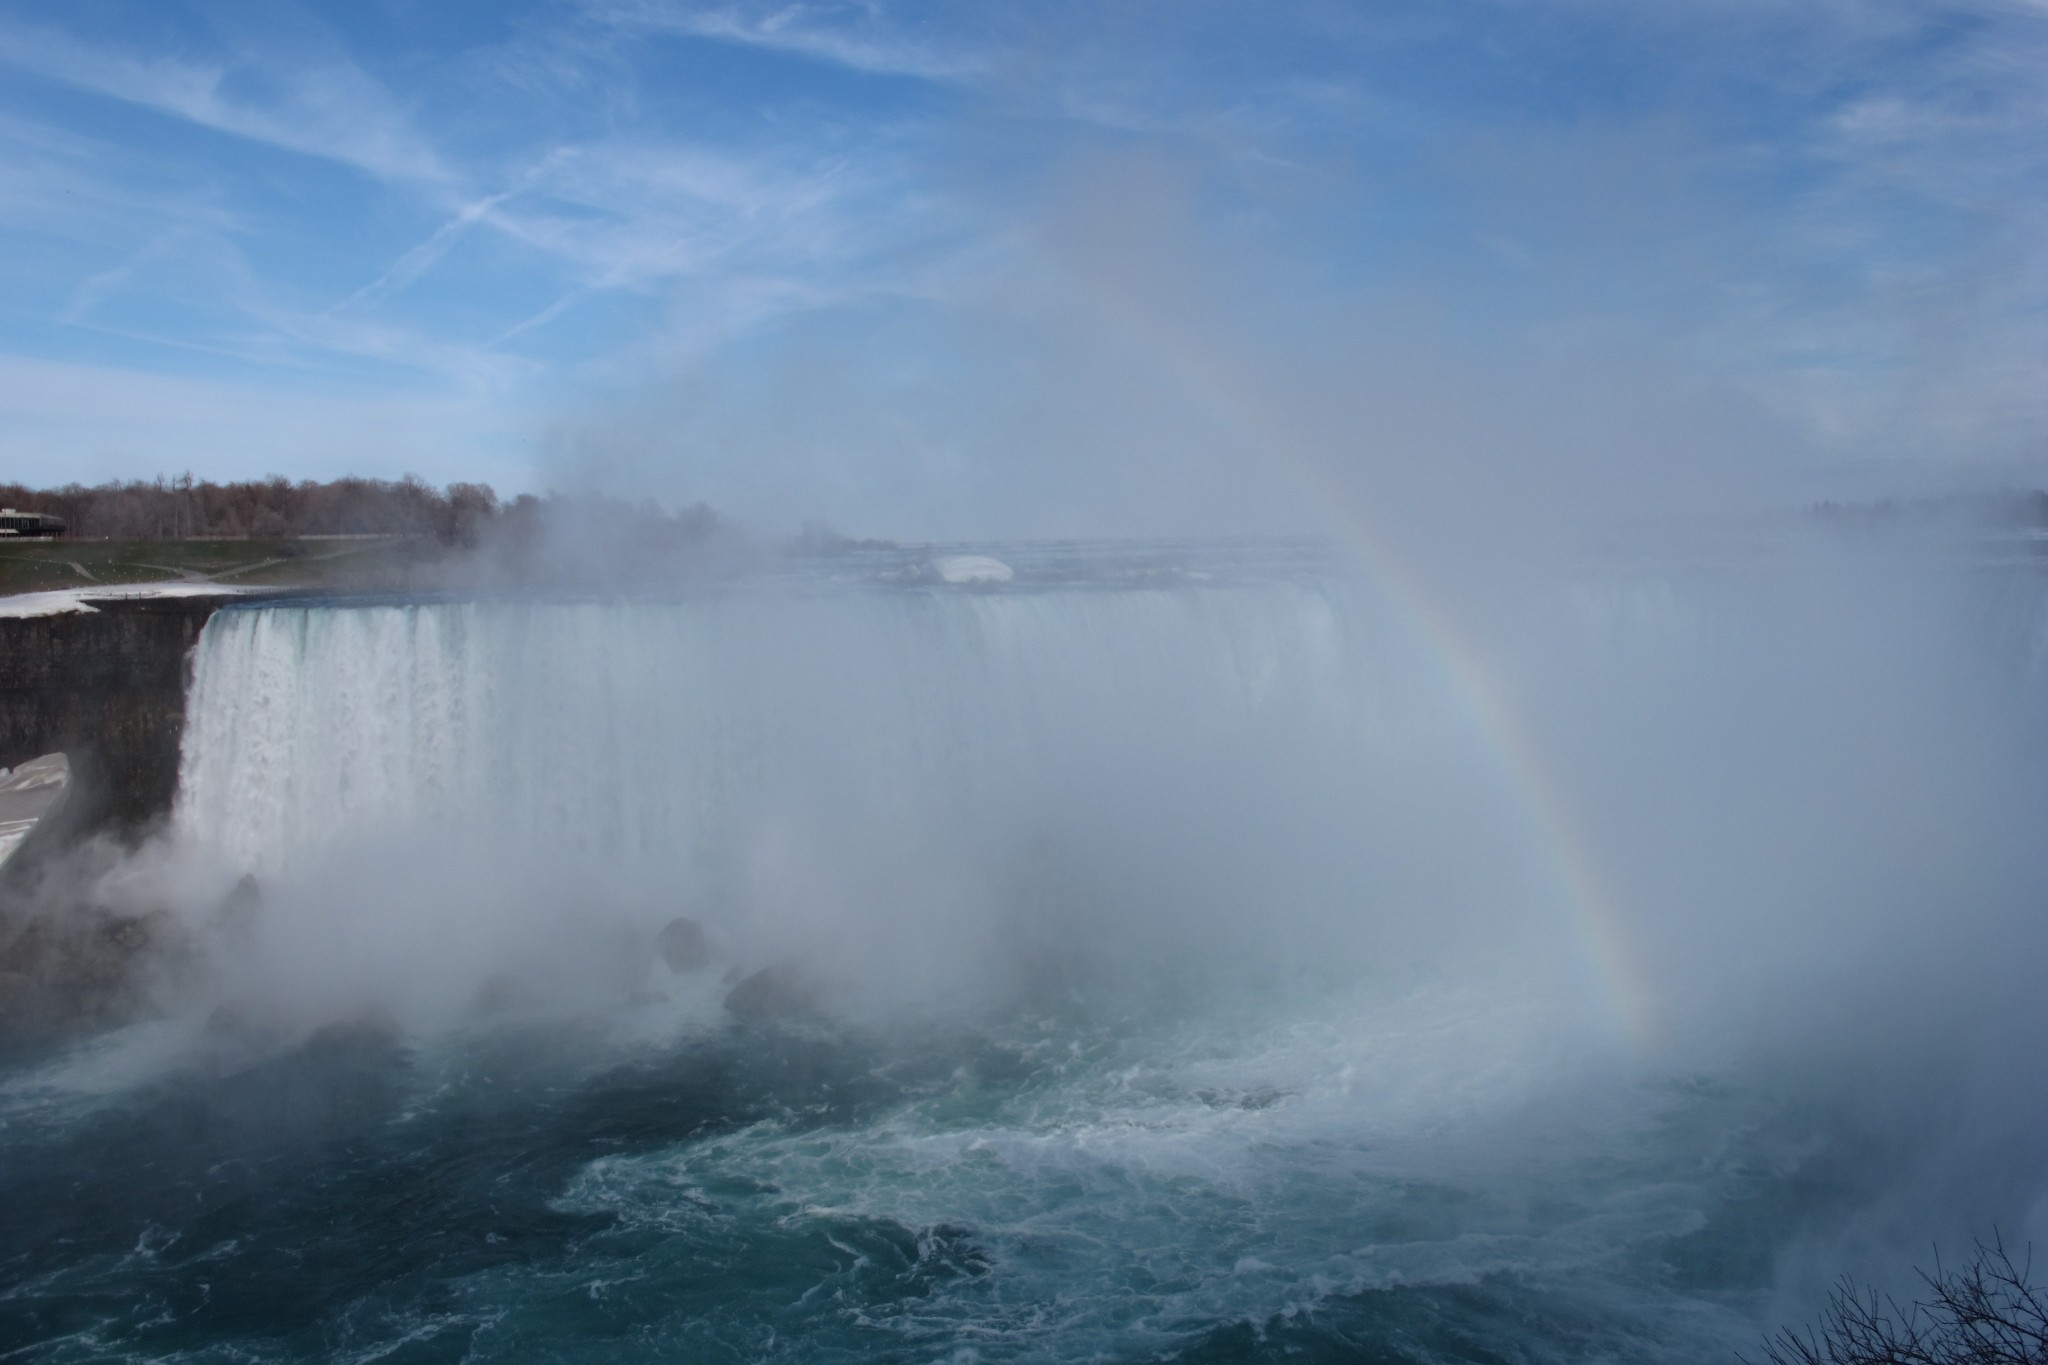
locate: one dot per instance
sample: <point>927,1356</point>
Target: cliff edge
<point>106,688</point>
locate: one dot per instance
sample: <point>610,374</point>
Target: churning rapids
<point>1218,962</point>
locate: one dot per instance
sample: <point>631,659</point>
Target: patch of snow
<point>973,569</point>
<point>66,600</point>
<point>28,794</point>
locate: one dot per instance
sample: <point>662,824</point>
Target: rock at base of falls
<point>683,945</point>
<point>242,909</point>
<point>81,967</point>
<point>779,991</point>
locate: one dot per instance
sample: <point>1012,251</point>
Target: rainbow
<point>1596,912</point>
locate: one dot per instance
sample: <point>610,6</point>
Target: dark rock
<point>83,967</point>
<point>243,907</point>
<point>774,992</point>
<point>235,1035</point>
<point>233,1023</point>
<point>106,687</point>
<point>21,1004</point>
<point>502,992</point>
<point>375,1027</point>
<point>683,945</point>
<point>131,934</point>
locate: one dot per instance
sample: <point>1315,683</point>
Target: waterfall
<point>887,771</point>
<point>630,731</point>
<point>1278,774</point>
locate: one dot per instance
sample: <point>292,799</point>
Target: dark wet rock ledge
<point>106,688</point>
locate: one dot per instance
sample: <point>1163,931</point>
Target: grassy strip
<point>365,563</point>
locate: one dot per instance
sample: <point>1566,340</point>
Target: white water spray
<point>934,790</point>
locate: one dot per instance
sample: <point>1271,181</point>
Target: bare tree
<point>182,507</point>
<point>1986,1313</point>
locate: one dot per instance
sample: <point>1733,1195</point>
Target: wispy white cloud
<point>749,237</point>
<point>1924,209</point>
<point>857,36</point>
<point>333,110</point>
<point>197,292</point>
<point>62,184</point>
<point>417,260</point>
<point>101,284</point>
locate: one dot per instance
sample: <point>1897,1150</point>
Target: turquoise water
<point>1407,1179</point>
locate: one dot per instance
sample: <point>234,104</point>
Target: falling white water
<point>626,729</point>
<point>1216,770</point>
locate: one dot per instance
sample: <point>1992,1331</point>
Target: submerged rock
<point>375,1027</point>
<point>237,1034</point>
<point>774,992</point>
<point>683,945</point>
<point>238,914</point>
<point>62,971</point>
<point>503,993</point>
<point>235,1023</point>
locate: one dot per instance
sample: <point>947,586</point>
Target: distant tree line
<point>184,507</point>
<point>2008,511</point>
<point>462,514</point>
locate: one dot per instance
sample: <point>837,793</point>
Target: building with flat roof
<point>16,523</point>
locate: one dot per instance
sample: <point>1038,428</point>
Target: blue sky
<point>1040,267</point>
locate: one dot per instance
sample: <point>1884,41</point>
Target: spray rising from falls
<point>933,790</point>
<point>1192,967</point>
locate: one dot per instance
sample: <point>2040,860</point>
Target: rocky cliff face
<point>108,689</point>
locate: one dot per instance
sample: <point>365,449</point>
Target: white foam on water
<point>1144,1188</point>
